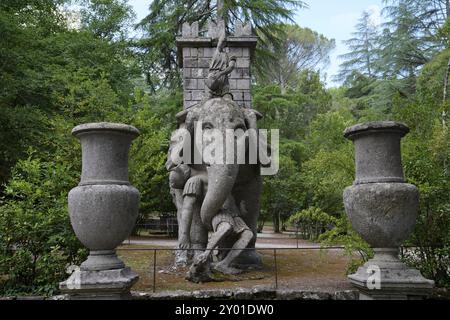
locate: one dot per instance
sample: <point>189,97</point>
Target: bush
<point>36,239</point>
<point>312,222</point>
<point>343,234</point>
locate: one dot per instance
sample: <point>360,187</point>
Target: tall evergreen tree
<point>363,53</point>
<point>411,37</point>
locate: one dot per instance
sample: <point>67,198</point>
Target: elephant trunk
<point>221,179</point>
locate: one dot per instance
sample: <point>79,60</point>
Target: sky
<point>335,19</point>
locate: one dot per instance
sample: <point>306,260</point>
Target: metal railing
<point>171,229</point>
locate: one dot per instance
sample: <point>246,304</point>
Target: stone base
<point>258,292</point>
<point>99,285</point>
<point>102,260</point>
<point>385,277</point>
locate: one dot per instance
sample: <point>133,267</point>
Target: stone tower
<point>195,50</point>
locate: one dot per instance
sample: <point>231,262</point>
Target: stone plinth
<point>100,285</point>
<point>396,280</point>
<point>195,52</point>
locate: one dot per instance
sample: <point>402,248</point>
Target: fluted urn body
<point>104,206</point>
<point>383,209</point>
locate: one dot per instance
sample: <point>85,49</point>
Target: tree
<point>48,70</point>
<point>427,18</point>
<point>23,76</point>
<point>384,65</point>
<point>363,47</point>
<point>328,168</point>
<point>166,17</point>
<point>52,78</point>
<point>149,151</point>
<point>292,111</point>
<point>300,49</point>
<point>281,195</point>
<point>410,38</point>
<point>108,19</point>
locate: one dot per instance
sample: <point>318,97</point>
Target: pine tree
<point>363,53</point>
<point>410,39</point>
<point>301,49</point>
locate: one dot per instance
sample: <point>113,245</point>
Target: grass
<point>297,269</point>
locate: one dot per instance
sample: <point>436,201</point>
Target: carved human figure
<point>193,194</point>
<point>188,185</point>
<point>226,224</point>
<point>217,84</point>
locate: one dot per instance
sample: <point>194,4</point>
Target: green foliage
<point>329,168</point>
<point>36,240</point>
<point>280,205</point>
<point>48,70</point>
<point>108,19</point>
<point>384,64</point>
<point>147,158</point>
<point>343,234</point>
<point>292,111</point>
<point>23,125</point>
<point>430,85</point>
<point>312,222</point>
<point>426,154</point>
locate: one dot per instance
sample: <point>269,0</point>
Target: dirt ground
<point>312,270</point>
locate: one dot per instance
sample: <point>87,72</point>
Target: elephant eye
<point>207,126</point>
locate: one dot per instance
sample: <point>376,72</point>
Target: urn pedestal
<point>103,210</point>
<point>383,209</point>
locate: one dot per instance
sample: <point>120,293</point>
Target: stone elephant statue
<point>240,182</point>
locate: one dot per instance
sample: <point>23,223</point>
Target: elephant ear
<point>259,116</point>
<point>251,118</point>
<point>181,116</point>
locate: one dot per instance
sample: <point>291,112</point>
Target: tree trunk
<point>447,74</point>
<point>447,6</point>
<point>445,96</point>
<point>282,84</point>
<point>276,222</point>
<point>261,225</point>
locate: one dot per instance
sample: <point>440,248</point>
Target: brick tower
<point>195,50</point>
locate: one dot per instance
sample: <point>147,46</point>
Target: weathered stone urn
<point>103,210</point>
<point>383,209</point>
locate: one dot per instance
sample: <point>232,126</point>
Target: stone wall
<point>195,50</point>
<point>256,293</point>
